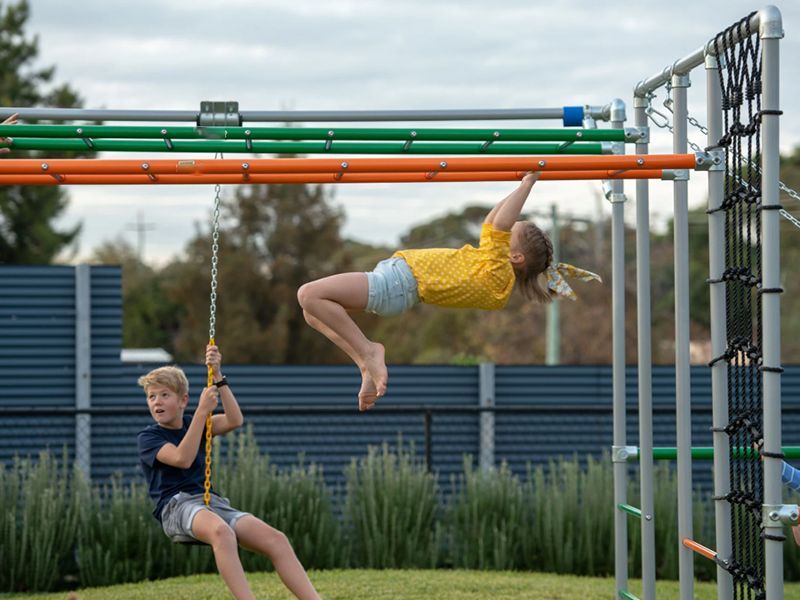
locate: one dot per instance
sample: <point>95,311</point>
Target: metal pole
<point>771,30</point>
<point>486,399</point>
<point>644,350</point>
<point>83,368</point>
<point>428,434</point>
<point>719,370</point>
<point>283,116</point>
<point>553,356</point>
<point>617,199</point>
<point>680,83</point>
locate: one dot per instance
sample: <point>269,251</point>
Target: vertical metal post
<point>644,350</point>
<point>486,384</point>
<point>719,370</point>
<point>771,30</point>
<point>617,198</point>
<point>427,422</point>
<point>553,356</point>
<point>83,367</point>
<point>680,83</point>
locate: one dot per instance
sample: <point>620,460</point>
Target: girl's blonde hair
<point>172,378</point>
<point>538,251</point>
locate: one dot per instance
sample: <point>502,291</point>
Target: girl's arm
<point>507,211</point>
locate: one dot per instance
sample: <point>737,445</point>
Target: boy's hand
<point>208,400</point>
<point>214,359</point>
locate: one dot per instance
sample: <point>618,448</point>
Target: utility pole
<point>553,355</point>
<point>140,227</point>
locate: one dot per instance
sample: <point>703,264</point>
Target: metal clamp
<point>773,515</point>
<point>219,113</point>
<point>617,148</point>
<point>713,160</point>
<point>640,135</point>
<point>675,175</point>
<point>621,454</point>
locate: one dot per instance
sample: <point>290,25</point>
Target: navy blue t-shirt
<point>163,480</point>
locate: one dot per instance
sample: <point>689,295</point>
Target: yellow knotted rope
<point>212,321</point>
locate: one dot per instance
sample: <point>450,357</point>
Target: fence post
<point>486,398</point>
<point>83,366</point>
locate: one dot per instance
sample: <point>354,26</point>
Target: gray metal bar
<point>683,424</point>
<point>83,366</point>
<point>487,393</point>
<point>553,351</point>
<point>684,65</point>
<point>719,371</point>
<point>283,116</point>
<point>644,351</point>
<point>771,31</point>
<point>618,368</point>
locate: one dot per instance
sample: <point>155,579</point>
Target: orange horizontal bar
<point>700,549</point>
<point>355,165</point>
<point>320,178</point>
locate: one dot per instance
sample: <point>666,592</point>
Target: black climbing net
<point>739,53</point>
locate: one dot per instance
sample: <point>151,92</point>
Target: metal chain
<point>212,323</point>
<point>662,121</point>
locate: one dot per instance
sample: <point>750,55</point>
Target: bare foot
<point>375,364</point>
<point>367,396</point>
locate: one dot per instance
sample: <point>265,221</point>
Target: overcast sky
<point>378,54</point>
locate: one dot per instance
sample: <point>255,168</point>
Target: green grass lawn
<point>385,585</point>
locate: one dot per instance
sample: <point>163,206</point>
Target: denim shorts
<point>392,288</point>
<point>178,514</point>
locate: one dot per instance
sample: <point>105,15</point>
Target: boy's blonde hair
<point>538,251</point>
<point>172,378</point>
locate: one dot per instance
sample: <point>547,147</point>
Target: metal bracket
<point>714,160</point>
<point>640,135</point>
<point>219,113</point>
<point>675,175</point>
<point>612,148</point>
<point>773,515</point>
<point>621,454</point>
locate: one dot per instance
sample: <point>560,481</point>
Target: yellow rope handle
<point>207,482</point>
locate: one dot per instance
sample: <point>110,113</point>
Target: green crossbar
<point>707,453</point>
<point>631,510</point>
<point>260,147</point>
<point>627,595</point>
<point>313,133</point>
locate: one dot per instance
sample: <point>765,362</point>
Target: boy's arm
<point>507,211</point>
<point>231,417</point>
<point>182,456</point>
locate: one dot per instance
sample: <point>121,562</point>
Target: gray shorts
<point>392,288</point>
<point>178,514</point>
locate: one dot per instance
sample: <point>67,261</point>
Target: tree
<point>27,234</point>
<point>273,239</point>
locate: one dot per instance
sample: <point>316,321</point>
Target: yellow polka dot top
<point>466,277</point>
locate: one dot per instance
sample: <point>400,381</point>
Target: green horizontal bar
<point>631,510</point>
<point>313,133</point>
<point>707,453</point>
<point>627,595</point>
<point>258,147</point>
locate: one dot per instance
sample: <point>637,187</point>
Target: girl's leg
<point>367,395</point>
<point>209,528</point>
<point>255,535</point>
<point>328,300</point>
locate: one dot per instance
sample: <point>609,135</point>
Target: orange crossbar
<point>354,165</point>
<point>700,549</point>
<point>319,178</point>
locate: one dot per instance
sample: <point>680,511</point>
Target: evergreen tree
<point>27,233</point>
